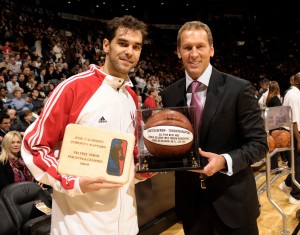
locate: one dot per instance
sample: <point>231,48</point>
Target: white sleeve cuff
<point>229,165</point>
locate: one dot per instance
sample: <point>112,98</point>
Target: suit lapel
<point>179,95</point>
<point>215,92</point>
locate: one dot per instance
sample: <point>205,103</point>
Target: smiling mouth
<point>126,61</point>
<point>195,63</point>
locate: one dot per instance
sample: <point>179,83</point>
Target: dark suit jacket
<point>6,174</point>
<point>38,78</point>
<point>232,123</point>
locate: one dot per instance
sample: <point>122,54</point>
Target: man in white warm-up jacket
<point>100,98</point>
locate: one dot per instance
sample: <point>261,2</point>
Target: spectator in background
<point>150,101</point>
<point>273,100</point>
<point>8,75</point>
<point>5,62</point>
<point>6,49</point>
<point>12,84</point>
<point>42,88</point>
<point>31,83</point>
<point>292,99</point>
<point>38,45</point>
<point>4,125</point>
<point>34,68</point>
<point>140,101</point>
<point>7,102</point>
<point>37,101</point>
<point>27,72</point>
<point>42,75</point>
<point>57,50</point>
<point>19,103</point>
<point>291,80</point>
<point>3,70</point>
<point>51,74</point>
<point>255,92</point>
<point>23,83</point>
<point>70,54</point>
<point>158,101</point>
<point>51,87</point>
<point>24,52</point>
<point>66,72</point>
<point>2,81</point>
<point>14,118</point>
<point>138,76</point>
<point>152,83</point>
<point>59,75</point>
<point>26,118</point>
<point>286,155</point>
<point>18,60</point>
<point>263,93</point>
<point>12,166</point>
<point>14,66</point>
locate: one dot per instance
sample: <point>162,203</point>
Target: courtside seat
<point>19,199</point>
<point>7,226</point>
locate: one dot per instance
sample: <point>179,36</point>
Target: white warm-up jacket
<point>98,100</point>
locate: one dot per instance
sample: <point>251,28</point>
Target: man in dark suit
<point>42,76</point>
<point>232,137</point>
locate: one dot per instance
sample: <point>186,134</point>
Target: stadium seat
<point>20,199</point>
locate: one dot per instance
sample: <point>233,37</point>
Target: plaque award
<point>88,151</point>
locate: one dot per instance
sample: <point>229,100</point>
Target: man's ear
<point>105,45</point>
<point>178,53</point>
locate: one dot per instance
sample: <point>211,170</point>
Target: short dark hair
<point>127,22</point>
<point>4,116</point>
<point>2,69</point>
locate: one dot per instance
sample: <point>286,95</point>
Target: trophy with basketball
<point>167,140</point>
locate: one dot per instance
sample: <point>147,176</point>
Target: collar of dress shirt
<point>204,78</point>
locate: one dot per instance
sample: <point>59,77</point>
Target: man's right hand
<point>88,184</point>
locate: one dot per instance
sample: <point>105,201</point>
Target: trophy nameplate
<point>93,152</point>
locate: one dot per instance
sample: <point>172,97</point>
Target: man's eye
<point>137,48</point>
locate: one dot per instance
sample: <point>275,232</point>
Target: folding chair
<point>281,170</point>
<point>276,118</point>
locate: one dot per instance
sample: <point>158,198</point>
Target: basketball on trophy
<point>168,133</point>
<point>282,138</point>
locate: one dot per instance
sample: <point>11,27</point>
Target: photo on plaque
<point>93,152</point>
<point>116,157</point>
<point>167,140</point>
